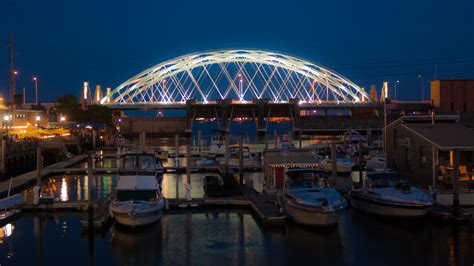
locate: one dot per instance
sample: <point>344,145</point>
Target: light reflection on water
<point>223,237</point>
<point>74,187</point>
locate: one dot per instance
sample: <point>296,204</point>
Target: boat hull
<point>388,210</point>
<point>137,220</point>
<point>308,216</point>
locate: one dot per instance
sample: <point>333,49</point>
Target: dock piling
<point>241,161</point>
<point>39,165</point>
<point>176,148</point>
<point>90,208</point>
<point>333,163</point>
<point>456,210</point>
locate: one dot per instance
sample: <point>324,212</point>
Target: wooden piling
<point>241,161</point>
<point>176,148</point>
<point>188,159</point>
<point>456,206</point>
<point>90,208</point>
<point>39,165</point>
<point>226,154</point>
<point>275,135</point>
<point>200,143</point>
<point>3,162</point>
<point>333,163</point>
<point>361,157</point>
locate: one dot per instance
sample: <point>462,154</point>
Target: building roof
<point>293,157</point>
<point>446,136</point>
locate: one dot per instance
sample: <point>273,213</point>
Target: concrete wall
<point>132,125</point>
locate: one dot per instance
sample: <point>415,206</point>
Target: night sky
<point>68,42</point>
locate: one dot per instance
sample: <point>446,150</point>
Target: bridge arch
<point>241,75</point>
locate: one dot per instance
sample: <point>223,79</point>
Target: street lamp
<point>396,83</point>
<point>6,121</point>
<point>62,119</point>
<point>35,79</point>
<point>38,118</point>
<point>422,87</point>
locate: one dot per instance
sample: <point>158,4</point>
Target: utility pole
<point>12,70</point>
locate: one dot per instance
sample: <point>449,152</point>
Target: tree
<point>69,106</point>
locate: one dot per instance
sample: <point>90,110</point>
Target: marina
<point>236,133</point>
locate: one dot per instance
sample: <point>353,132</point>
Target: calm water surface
<point>223,237</point>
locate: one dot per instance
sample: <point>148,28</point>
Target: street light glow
<point>62,119</point>
<point>38,118</point>
<point>6,117</point>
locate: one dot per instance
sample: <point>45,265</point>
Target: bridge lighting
<point>191,76</point>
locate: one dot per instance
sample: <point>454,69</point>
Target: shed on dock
<point>277,162</point>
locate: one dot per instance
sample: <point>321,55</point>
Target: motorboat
<point>377,163</point>
<point>343,164</point>
<point>308,200</point>
<point>138,200</point>
<point>388,194</point>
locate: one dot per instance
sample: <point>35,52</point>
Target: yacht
<point>387,194</point>
<point>308,200</point>
<point>344,164</point>
<point>138,200</point>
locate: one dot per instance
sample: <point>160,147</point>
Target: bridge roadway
<point>304,117</point>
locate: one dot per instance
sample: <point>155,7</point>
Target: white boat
<point>387,194</point>
<point>344,164</point>
<point>308,201</point>
<point>377,163</point>
<point>138,200</point>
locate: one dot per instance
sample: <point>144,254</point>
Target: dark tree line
<point>69,106</point>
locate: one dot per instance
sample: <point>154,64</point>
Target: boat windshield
<point>304,178</point>
<point>138,163</point>
<point>137,195</point>
<point>380,180</point>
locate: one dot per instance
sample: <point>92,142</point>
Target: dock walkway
<point>22,181</point>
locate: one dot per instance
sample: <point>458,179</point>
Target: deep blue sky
<point>106,42</point>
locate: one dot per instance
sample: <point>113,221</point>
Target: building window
<point>394,138</point>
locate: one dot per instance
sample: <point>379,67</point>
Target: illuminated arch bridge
<point>240,75</point>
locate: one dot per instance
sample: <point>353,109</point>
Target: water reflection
<point>64,190</point>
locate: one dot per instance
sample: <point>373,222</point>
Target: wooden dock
<point>101,217</point>
<point>22,181</point>
<point>259,205</point>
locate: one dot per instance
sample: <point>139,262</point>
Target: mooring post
<point>39,165</point>
<point>301,137</point>
<point>361,157</point>
<point>241,161</point>
<point>275,135</point>
<point>188,159</point>
<point>200,143</point>
<point>90,208</point>
<point>176,148</point>
<point>4,149</point>
<point>226,155</point>
<point>94,137</point>
<point>456,183</point>
<point>266,141</point>
<point>333,163</point>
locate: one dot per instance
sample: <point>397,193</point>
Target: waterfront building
<point>426,148</point>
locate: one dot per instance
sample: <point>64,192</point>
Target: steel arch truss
<point>242,75</point>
